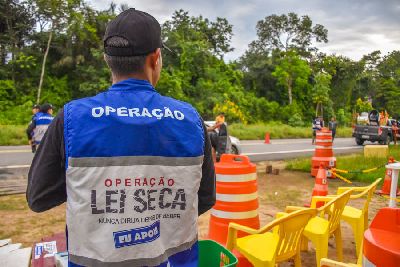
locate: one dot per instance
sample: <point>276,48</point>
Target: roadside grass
<point>351,162</point>
<point>24,226</point>
<point>13,135</point>
<point>276,130</point>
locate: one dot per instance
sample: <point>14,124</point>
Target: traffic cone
<point>237,196</point>
<point>388,181</point>
<point>266,140</point>
<point>323,152</point>
<point>236,200</point>
<point>320,186</point>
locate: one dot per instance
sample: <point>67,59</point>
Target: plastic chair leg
<point>320,243</point>
<point>297,259</point>
<point>263,264</point>
<point>358,231</point>
<point>339,243</point>
<point>303,244</point>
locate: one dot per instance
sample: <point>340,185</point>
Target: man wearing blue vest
<point>135,167</point>
<point>39,124</point>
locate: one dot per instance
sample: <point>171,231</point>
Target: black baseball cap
<point>36,106</point>
<point>46,107</point>
<point>140,29</point>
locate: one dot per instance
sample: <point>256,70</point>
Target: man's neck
<point>139,76</point>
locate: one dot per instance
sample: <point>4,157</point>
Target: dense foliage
<point>281,77</point>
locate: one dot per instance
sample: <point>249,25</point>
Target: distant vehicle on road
<point>230,145</point>
<point>373,131</point>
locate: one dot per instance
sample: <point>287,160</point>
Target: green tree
<point>292,73</point>
<point>52,14</point>
<point>288,32</point>
<point>388,83</point>
<point>182,28</point>
<point>320,93</point>
<point>16,24</point>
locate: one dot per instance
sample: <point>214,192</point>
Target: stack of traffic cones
<point>323,152</point>
<point>320,186</point>
<point>237,199</point>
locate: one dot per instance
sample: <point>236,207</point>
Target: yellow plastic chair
<point>319,229</point>
<point>358,218</point>
<point>278,241</point>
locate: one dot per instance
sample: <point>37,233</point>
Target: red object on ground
<point>237,198</point>
<point>382,239</point>
<point>320,186</point>
<point>388,181</point>
<point>44,250</point>
<point>267,140</point>
<point>323,152</point>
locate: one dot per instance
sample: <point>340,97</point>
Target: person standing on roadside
<point>395,130</point>
<point>29,130</point>
<point>39,124</point>
<point>332,127</point>
<point>317,125</point>
<point>135,167</point>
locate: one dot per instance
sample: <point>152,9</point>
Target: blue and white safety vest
<point>134,162</point>
<point>317,125</point>
<point>42,121</point>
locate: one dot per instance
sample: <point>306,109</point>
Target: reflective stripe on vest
<point>134,163</point>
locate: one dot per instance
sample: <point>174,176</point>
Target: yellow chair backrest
<point>367,191</point>
<point>334,209</point>
<point>290,230</point>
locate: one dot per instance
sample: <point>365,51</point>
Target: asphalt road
<point>17,157</point>
<point>292,148</point>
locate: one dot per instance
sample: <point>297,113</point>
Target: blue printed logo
<point>137,236</point>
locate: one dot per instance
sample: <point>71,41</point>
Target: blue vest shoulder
<point>132,123</point>
<point>41,118</point>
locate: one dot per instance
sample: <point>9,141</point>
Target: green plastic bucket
<point>212,254</point>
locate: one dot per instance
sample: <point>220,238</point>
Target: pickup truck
<point>373,131</point>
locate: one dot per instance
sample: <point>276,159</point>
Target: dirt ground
<point>275,193</point>
<point>294,188</point>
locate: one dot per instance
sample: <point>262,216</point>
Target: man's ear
<point>154,58</point>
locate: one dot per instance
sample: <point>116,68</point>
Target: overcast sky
<point>355,27</point>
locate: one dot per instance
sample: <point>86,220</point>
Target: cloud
<point>355,27</point>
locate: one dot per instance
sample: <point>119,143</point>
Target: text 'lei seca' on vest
<point>158,113</point>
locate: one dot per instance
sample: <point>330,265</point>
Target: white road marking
<point>14,166</point>
<point>281,142</point>
<point>274,143</point>
<point>15,151</point>
<point>296,151</point>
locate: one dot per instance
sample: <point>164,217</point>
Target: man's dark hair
<point>46,107</point>
<point>123,65</point>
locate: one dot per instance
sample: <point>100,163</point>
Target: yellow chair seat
<point>320,228</point>
<point>260,246</point>
<point>351,213</point>
<point>358,218</point>
<point>276,242</point>
<point>317,226</point>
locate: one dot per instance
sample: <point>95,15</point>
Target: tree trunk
<point>319,109</point>
<point>289,83</point>
<point>44,65</point>
<point>13,46</point>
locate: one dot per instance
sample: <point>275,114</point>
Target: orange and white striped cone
<point>323,152</point>
<point>388,181</point>
<point>237,196</point>
<point>320,186</point>
<point>237,199</point>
